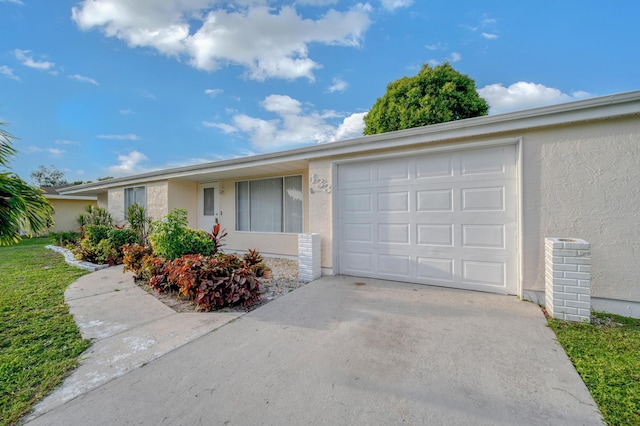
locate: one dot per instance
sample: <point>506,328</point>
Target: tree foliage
<point>22,207</point>
<point>434,95</point>
<point>48,176</point>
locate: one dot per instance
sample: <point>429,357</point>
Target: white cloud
<point>267,42</point>
<point>8,72</point>
<point>83,79</point>
<point>293,125</point>
<point>27,60</point>
<point>213,92</point>
<point>437,46</point>
<point>18,2</point>
<point>489,36</point>
<point>226,128</point>
<point>129,164</point>
<point>31,149</point>
<point>56,151</point>
<point>454,57</point>
<point>126,111</point>
<point>351,127</point>
<point>339,85</point>
<point>395,4</point>
<point>65,142</point>
<point>524,95</point>
<point>316,2</point>
<point>123,137</point>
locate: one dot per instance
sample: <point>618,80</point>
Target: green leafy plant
<point>63,239</point>
<point>94,215</point>
<point>103,244</point>
<point>171,237</point>
<point>139,222</point>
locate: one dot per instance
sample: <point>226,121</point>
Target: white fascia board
<point>584,110</point>
<point>71,197</point>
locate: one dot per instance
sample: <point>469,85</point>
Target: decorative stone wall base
<point>568,279</point>
<point>309,257</point>
<point>71,259</point>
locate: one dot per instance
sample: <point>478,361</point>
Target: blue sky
<point>116,87</point>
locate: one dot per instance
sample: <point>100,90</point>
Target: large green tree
<point>22,207</point>
<point>48,176</point>
<point>434,95</point>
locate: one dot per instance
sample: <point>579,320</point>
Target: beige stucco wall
<point>103,200</point>
<point>116,204</point>
<point>320,210</point>
<point>584,181</point>
<point>184,195</point>
<point>157,199</point>
<point>66,212</point>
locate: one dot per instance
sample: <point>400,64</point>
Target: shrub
<point>63,239</point>
<point>211,282</point>
<point>96,233</point>
<point>133,256</point>
<point>103,244</point>
<point>172,238</point>
<point>255,262</point>
<point>94,216</point>
<point>139,222</point>
<point>122,236</point>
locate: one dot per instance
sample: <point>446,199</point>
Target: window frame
<point>126,198</point>
<point>283,215</point>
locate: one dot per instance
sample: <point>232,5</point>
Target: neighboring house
<point>67,208</point>
<point>464,204</point>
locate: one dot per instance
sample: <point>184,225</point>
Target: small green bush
<point>96,233</point>
<point>63,239</point>
<point>172,238</point>
<point>122,236</point>
<point>94,216</point>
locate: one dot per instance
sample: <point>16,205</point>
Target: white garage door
<point>447,219</point>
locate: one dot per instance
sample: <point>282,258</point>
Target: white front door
<point>208,206</point>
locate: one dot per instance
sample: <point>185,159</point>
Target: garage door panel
<point>435,200</point>
<point>483,272</point>
<point>354,175</point>
<point>357,203</point>
<point>357,233</point>
<point>434,166</point>
<point>483,236</point>
<point>394,233</point>
<point>483,162</point>
<point>358,262</point>
<point>431,234</point>
<point>484,199</point>
<point>394,265</point>
<point>393,171</point>
<point>390,202</point>
<point>435,269</point>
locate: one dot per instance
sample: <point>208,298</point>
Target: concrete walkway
<point>336,351</point>
<point>128,328</point>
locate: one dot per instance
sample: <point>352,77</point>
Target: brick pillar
<point>309,257</point>
<point>568,279</point>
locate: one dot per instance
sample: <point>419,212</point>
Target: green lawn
<point>39,340</point>
<point>606,353</point>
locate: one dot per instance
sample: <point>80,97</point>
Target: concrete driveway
<point>345,350</point>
